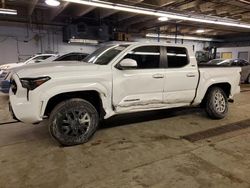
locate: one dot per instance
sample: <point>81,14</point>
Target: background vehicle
<point>34,59</point>
<point>118,79</point>
<point>73,56</point>
<point>245,66</point>
<point>6,74</point>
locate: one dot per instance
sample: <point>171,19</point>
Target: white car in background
<point>34,59</point>
<point>6,74</point>
<point>6,68</point>
<point>245,66</point>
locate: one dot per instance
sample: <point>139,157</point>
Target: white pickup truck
<point>118,79</point>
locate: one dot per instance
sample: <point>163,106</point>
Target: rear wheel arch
<point>225,86</point>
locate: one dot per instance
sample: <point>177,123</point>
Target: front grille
<point>13,86</point>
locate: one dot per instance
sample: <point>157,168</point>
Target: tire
<point>73,122</point>
<point>216,103</point>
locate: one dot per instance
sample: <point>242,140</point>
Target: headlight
<point>33,83</point>
<point>5,67</point>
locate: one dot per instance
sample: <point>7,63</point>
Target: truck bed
<point>209,75</point>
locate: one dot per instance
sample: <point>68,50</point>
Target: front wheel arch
<point>91,96</point>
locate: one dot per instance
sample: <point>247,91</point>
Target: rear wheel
<point>73,122</point>
<point>216,103</point>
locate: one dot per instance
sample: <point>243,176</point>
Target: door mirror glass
<point>128,63</point>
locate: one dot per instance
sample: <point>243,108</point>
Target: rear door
<point>141,87</point>
<point>181,76</point>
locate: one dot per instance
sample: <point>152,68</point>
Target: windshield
<point>223,62</point>
<point>215,61</point>
<point>37,58</point>
<point>105,54</point>
<point>72,57</point>
<point>26,59</point>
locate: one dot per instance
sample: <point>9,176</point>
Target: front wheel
<point>216,103</point>
<point>73,122</point>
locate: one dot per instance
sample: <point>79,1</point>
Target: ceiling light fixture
<point>8,11</point>
<point>84,41</point>
<point>170,15</point>
<point>154,35</point>
<point>200,31</point>
<point>244,1</point>
<point>163,19</point>
<point>53,3</point>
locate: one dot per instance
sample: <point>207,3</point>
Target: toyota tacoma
<point>117,79</point>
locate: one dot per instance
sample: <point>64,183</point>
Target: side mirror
<point>128,63</point>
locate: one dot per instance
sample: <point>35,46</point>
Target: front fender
<point>104,92</point>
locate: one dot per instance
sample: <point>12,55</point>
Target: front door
<point>142,87</point>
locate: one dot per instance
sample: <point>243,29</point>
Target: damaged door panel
<point>141,86</point>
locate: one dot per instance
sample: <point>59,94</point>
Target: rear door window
<point>177,57</point>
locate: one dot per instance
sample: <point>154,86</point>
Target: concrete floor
<point>139,150</point>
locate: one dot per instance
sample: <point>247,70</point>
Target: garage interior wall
<point>235,51</point>
<point>20,41</point>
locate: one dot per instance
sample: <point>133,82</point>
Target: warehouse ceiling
<point>37,12</point>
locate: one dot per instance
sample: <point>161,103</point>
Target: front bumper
<point>24,109</point>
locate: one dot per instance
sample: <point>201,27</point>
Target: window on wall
<point>243,55</point>
<point>226,55</point>
<point>177,57</point>
<point>147,57</point>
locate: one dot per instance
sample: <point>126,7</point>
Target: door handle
<point>158,76</point>
<point>190,75</point>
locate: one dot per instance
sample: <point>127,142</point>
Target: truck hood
<point>48,69</point>
<point>11,65</point>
